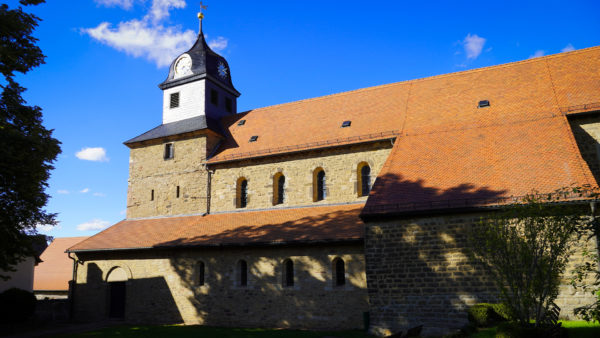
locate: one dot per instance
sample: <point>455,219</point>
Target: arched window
<point>339,272</point>
<point>243,273</point>
<point>278,189</point>
<point>242,193</point>
<point>201,270</point>
<point>319,187</point>
<point>288,273</point>
<point>364,179</point>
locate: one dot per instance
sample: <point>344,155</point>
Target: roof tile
<point>322,223</point>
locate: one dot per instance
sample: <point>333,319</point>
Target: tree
<point>526,247</point>
<point>28,148</point>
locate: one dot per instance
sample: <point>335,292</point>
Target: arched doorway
<point>116,279</point>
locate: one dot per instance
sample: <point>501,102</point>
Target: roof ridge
<point>427,78</point>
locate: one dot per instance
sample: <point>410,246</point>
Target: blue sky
<point>105,59</point>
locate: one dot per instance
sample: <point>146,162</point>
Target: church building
<point>338,211</point>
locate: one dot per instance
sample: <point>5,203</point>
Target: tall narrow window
<point>228,105</point>
<point>278,188</point>
<point>243,273</point>
<point>364,179</point>
<point>339,272</point>
<point>168,151</point>
<point>201,273</point>
<point>152,195</point>
<point>288,273</point>
<point>242,193</point>
<point>319,188</point>
<point>177,192</point>
<point>214,97</point>
<point>174,100</point>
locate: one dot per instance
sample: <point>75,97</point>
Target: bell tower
<point>198,84</point>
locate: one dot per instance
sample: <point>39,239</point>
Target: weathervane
<point>201,15</point>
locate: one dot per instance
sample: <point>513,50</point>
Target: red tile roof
<point>309,224</point>
<point>56,269</point>
<point>376,113</point>
<point>453,153</point>
<point>529,89</point>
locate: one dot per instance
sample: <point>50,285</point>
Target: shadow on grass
<point>204,331</point>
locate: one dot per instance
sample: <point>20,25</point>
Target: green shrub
<point>486,315</point>
<point>502,310</point>
<point>16,305</point>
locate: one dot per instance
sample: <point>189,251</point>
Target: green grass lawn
<point>203,331</point>
<point>576,329</point>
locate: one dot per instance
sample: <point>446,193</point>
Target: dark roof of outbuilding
<point>179,127</point>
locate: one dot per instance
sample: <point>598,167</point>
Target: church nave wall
<point>163,287</point>
<point>340,165</point>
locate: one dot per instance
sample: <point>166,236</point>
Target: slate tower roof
<point>205,64</point>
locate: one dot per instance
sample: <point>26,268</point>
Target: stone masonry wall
<point>419,273</point>
<point>162,287</point>
<point>340,167</point>
<point>148,170</point>
<point>586,130</point>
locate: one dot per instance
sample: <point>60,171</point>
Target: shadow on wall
<point>313,301</point>
<point>419,271</point>
<point>147,300</point>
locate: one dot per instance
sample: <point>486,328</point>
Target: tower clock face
<point>183,66</point>
<point>222,70</point>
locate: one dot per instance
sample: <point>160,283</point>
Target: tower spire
<point>201,16</point>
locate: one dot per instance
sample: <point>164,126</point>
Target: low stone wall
<point>419,273</point>
<point>163,287</point>
<point>52,310</point>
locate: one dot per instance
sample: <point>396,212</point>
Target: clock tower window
<point>214,97</point>
<point>174,100</point>
<point>228,105</point>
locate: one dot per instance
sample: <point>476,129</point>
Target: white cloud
<point>48,227</point>
<point>218,44</point>
<point>99,194</point>
<point>93,225</point>
<point>84,190</point>
<point>147,37</point>
<point>473,45</point>
<point>158,44</point>
<point>537,54</point>
<point>97,154</point>
<point>160,8</point>
<point>125,4</point>
<point>568,48</point>
<point>63,192</point>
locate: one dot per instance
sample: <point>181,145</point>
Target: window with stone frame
<point>168,153</point>
<point>278,188</point>
<point>339,272</point>
<point>363,173</point>
<point>319,185</point>
<point>242,273</point>
<point>201,273</point>
<point>288,273</point>
<point>241,199</point>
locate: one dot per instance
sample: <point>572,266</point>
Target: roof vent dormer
<point>483,104</point>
